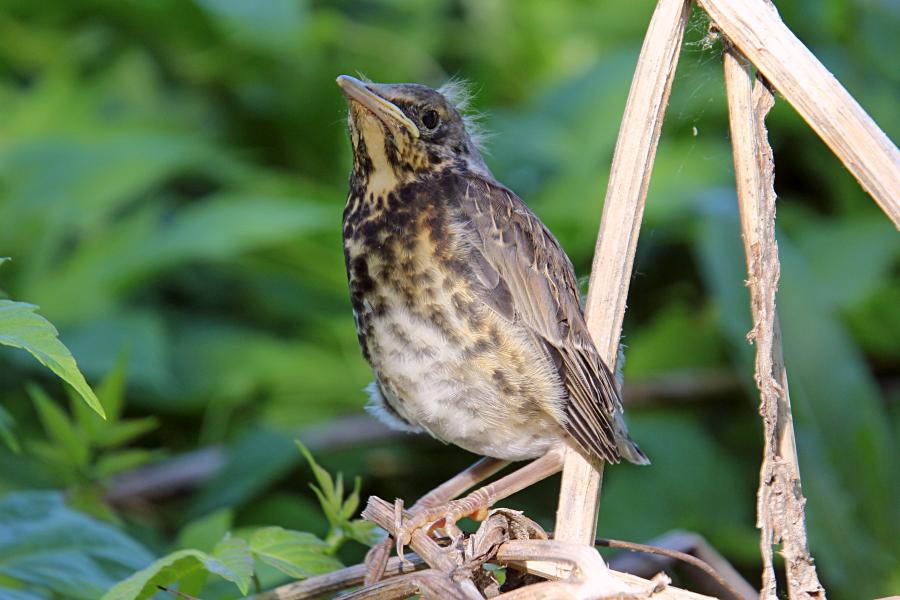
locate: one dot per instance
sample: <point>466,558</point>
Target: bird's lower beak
<point>389,113</point>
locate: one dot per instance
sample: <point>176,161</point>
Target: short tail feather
<point>626,446</point>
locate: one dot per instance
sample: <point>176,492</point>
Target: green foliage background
<point>172,175</point>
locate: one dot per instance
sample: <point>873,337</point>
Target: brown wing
<point>529,279</point>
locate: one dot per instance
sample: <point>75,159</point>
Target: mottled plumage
<point>466,306</point>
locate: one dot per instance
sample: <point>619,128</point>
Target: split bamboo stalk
<point>623,209</point>
<point>756,29</point>
<point>780,504</point>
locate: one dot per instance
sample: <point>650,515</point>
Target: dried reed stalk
<point>623,209</point>
<point>780,509</point>
<point>499,540</point>
<point>755,28</point>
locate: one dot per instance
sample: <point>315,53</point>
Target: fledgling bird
<point>466,306</point>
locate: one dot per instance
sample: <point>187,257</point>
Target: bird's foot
<point>444,516</point>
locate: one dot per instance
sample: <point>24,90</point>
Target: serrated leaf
<point>231,560</point>
<point>59,428</point>
<point>22,327</point>
<point>165,571</point>
<point>46,544</point>
<point>295,553</point>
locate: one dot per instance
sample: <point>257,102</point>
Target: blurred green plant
<point>295,554</point>
<point>82,453</point>
<point>49,550</point>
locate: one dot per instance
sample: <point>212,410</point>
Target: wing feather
<point>528,278</point>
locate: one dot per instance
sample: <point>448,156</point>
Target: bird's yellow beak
<point>389,113</point>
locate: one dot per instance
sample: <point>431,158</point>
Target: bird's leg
<point>376,559</point>
<point>459,483</point>
<point>447,514</point>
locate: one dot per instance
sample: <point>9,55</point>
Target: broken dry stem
<point>780,507</point>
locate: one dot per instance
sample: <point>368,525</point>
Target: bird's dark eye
<point>430,119</point>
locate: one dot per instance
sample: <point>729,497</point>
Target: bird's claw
<point>437,517</point>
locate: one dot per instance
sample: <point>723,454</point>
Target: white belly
<point>443,387</point>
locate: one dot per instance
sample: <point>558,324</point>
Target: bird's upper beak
<point>389,113</point>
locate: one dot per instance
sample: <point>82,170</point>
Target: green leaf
<point>122,432</point>
<point>252,462</point>
<point>123,460</point>
<point>222,228</point>
<point>231,559</point>
<point>295,553</point>
<point>60,429</point>
<point>365,532</point>
<point>6,431</point>
<point>91,500</point>
<point>272,25</point>
<point>165,571</point>
<point>22,327</point>
<point>835,250</point>
<point>111,390</point>
<point>48,546</point>
<point>204,533</point>
<point>671,438</point>
<point>679,338</point>
<point>352,501</point>
<point>328,492</point>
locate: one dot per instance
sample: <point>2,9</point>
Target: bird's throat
<point>371,156</point>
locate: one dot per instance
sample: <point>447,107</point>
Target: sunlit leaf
<point>163,572</point>
<point>294,553</point>
<point>22,327</point>
<point>231,560</point>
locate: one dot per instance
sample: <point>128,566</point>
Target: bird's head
<point>404,131</point>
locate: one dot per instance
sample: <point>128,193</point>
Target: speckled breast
<point>444,361</point>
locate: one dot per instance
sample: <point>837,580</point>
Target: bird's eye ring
<point>430,119</point>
